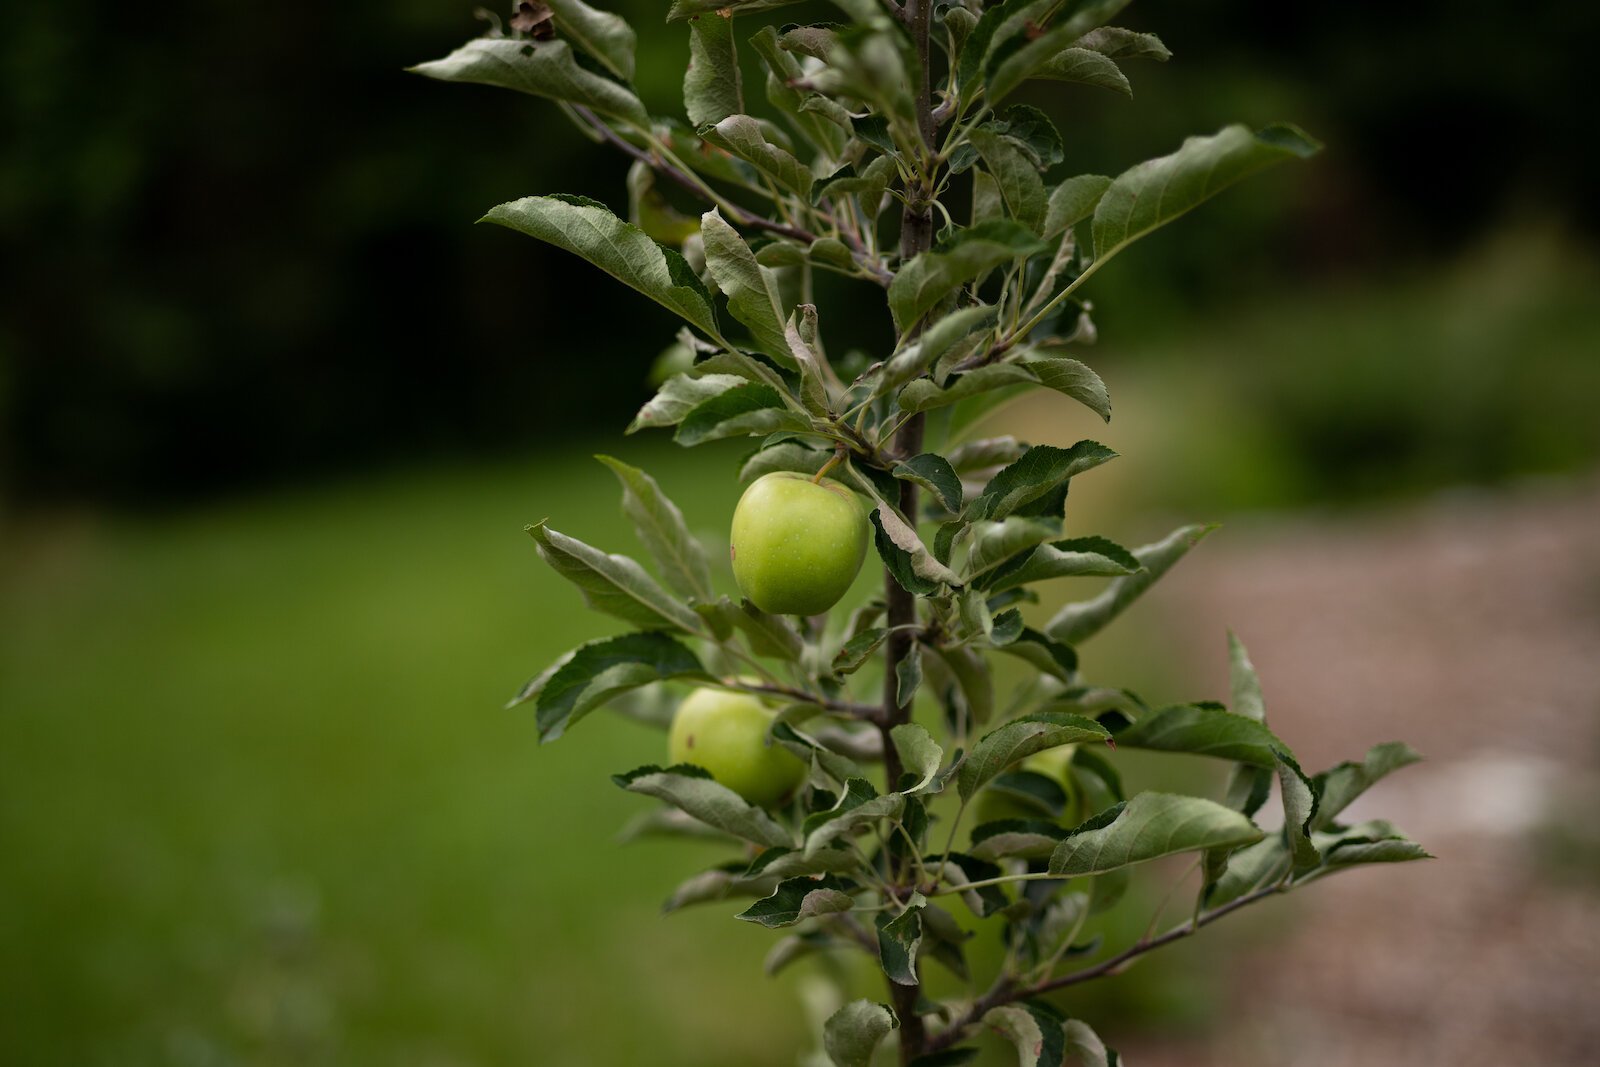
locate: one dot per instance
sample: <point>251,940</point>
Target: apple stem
<point>833,462</point>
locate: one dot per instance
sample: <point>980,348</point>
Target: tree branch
<point>868,712</point>
<point>916,237</point>
<point>1004,994</point>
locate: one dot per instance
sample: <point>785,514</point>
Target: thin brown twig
<point>1109,966</point>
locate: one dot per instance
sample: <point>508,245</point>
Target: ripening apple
<point>726,733</point>
<point>797,544</point>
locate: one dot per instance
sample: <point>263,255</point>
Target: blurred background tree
<point>238,249</point>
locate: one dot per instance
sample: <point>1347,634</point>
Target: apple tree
<point>883,784</point>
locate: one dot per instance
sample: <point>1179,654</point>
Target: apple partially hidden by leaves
<point>797,544</point>
<point>726,733</point>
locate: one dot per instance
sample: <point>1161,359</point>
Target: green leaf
<point>934,473</point>
<point>859,806</point>
<point>805,346</point>
<point>925,394</point>
<point>669,822</point>
<point>988,205</point>
<point>908,676</point>
<point>1026,62</point>
<point>1036,484</point>
<point>742,135</point>
<point>1299,809</point>
<point>970,672</point>
<point>852,1033</point>
<point>1247,699</point>
<point>604,35</point>
<point>934,342</point>
<point>684,9</point>
<point>797,899</point>
<point>1147,827</point>
<point>797,947</point>
<point>1340,785</point>
<point>1085,67</point>
<point>821,121</point>
<point>1027,128</point>
<point>1250,869</point>
<point>1073,201</point>
<point>1071,378</point>
<point>711,84</point>
<point>1096,774</point>
<point>717,884</point>
<point>1065,376</point>
<point>693,790</point>
<point>913,567</point>
<point>1020,838</point>
<point>769,635</point>
<point>660,526</point>
<point>976,49</point>
<point>751,289</point>
<point>961,870</point>
<point>1034,1030</point>
<point>1020,184</point>
<point>837,766</point>
<point>679,395</point>
<point>950,1057</point>
<point>1092,556</point>
<point>856,651</point>
<point>1039,793</point>
<point>1083,619</point>
<point>986,453</point>
<point>1204,730</point>
<point>1114,42</point>
<point>622,250</point>
<point>1043,653</point>
<point>1154,193</point>
<point>1084,1047</point>
<point>931,276</point>
<point>898,940</point>
<point>780,862</point>
<point>995,543</point>
<point>1010,62</point>
<point>593,673</point>
<point>750,408</point>
<point>540,68</point>
<point>649,210</point>
<point>920,754</point>
<point>1374,841</point>
<point>1019,739</point>
<point>869,184</point>
<point>615,585</point>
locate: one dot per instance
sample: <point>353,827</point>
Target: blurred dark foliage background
<point>239,247</point>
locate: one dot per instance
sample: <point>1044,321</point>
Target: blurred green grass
<point>262,806</point>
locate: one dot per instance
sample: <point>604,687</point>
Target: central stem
<point>916,237</point>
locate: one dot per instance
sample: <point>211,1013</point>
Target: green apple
<point>726,733</point>
<point>797,544</point>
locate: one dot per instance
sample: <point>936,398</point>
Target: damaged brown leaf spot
<point>1033,31</point>
<point>535,19</point>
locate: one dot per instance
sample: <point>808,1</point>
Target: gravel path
<point>1470,627</point>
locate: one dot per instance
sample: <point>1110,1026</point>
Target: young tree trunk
<point>916,237</point>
